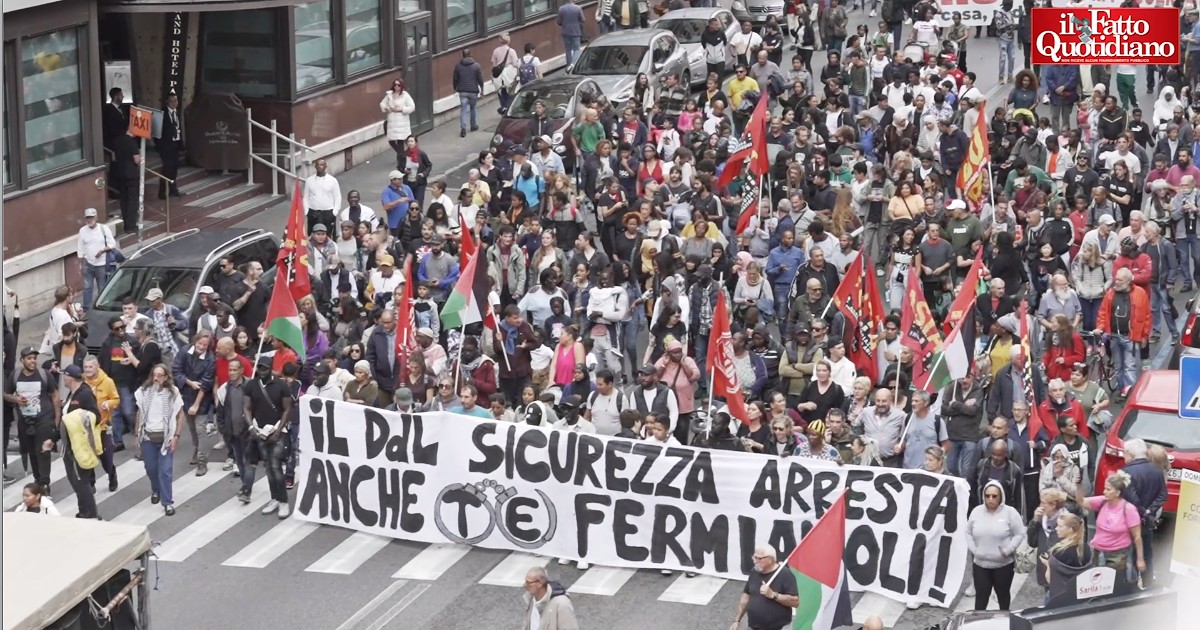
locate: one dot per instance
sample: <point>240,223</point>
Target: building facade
<point>317,70</point>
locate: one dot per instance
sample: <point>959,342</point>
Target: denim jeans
<point>272,456</point>
<point>126,412</point>
<point>1007,53</point>
<point>93,276</point>
<point>505,100</point>
<point>700,354</point>
<point>1160,306</point>
<point>571,47</point>
<point>160,469</point>
<point>857,104</point>
<point>781,308</point>
<point>1127,360</point>
<point>467,104</point>
<point>962,458</point>
<point>1189,255</point>
<point>1091,309</point>
<point>1061,116</point>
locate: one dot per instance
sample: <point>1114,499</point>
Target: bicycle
<point>1101,367</point>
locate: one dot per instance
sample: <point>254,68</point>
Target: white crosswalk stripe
<point>432,562</point>
<point>601,581</point>
<point>183,490</point>
<point>698,590</point>
<point>207,528</point>
<point>273,544</point>
<point>128,473</point>
<point>12,494</point>
<point>347,557</point>
<point>512,569</point>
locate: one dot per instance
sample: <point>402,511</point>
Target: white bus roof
<point>52,563</point>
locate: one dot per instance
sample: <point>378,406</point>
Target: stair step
<point>223,194</point>
<point>257,202</point>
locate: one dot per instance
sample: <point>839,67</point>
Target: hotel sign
<point>175,54</point>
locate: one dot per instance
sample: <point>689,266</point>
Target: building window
<point>499,12</point>
<point>314,44</point>
<point>239,53</point>
<point>461,19</point>
<point>7,166</point>
<point>364,44</point>
<point>51,96</point>
<point>535,7</point>
<point>404,7</point>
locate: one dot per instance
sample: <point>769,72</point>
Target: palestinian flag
<point>959,348</point>
<point>283,319</point>
<point>467,250</point>
<point>821,573</point>
<point>468,303</point>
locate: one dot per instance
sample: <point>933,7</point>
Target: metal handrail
<point>294,154</point>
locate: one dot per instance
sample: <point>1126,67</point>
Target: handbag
<point>158,437</point>
<point>766,306</point>
<point>113,256</point>
<point>1026,558</point>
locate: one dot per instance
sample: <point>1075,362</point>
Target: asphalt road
<point>223,564</point>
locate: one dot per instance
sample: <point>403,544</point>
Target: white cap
<point>89,213</point>
<point>1106,219</point>
<point>426,332</point>
<point>957,204</point>
<point>395,175</point>
<point>206,290</point>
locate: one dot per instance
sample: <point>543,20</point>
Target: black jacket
<point>124,149</point>
<point>378,349</point>
<point>468,77</point>
<point>56,357</point>
<point>1147,488</point>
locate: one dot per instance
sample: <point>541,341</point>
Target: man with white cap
<point>94,244</point>
<point>395,201</point>
<point>322,251</point>
<point>168,321</point>
<point>1104,238</point>
<point>322,194</point>
<point>385,282</point>
<point>544,157</point>
<point>435,355</point>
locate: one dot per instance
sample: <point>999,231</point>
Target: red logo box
<point>1135,36</point>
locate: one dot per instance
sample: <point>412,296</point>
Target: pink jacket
<point>681,378</point>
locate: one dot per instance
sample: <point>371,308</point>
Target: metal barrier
<point>296,157</point>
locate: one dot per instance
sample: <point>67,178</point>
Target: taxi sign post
<point>139,127</point>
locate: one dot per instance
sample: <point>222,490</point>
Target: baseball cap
<point>957,204</point>
<point>206,290</point>
<point>154,294</point>
<point>264,362</point>
<point>320,227</point>
<point>386,259</point>
<point>395,175</point>
<point>1106,219</point>
<point>403,396</point>
<point>426,332</point>
<point>320,368</point>
<point>73,371</point>
<point>28,350</point>
<point>89,213</point>
<point>648,369</point>
<point>545,139</point>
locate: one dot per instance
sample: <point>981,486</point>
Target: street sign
<point>140,122</point>
<point>1189,387</point>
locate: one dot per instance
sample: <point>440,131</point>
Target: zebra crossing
<point>208,511</point>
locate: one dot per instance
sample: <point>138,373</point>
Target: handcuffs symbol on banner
<point>495,512</point>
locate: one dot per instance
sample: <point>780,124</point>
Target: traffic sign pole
<point>140,123</point>
<point>141,191</point>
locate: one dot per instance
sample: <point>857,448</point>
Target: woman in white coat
<point>398,105</point>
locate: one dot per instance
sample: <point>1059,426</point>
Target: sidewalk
<point>451,155</point>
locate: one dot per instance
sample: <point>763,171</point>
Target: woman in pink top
<point>1118,526</point>
<point>567,355</point>
<point>680,373</point>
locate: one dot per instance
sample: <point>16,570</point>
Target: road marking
<point>184,488</point>
<point>697,590</point>
<point>128,473</point>
<point>205,529</point>
<point>874,604</point>
<point>12,494</point>
<point>347,557</point>
<point>272,544</point>
<point>601,581</point>
<point>432,562</point>
<point>404,602</point>
<point>1167,347</point>
<point>370,606</point>
<point>968,603</point>
<point>512,569</point>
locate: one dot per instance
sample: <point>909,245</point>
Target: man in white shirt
<point>745,43</point>
<point>1122,152</point>
<point>322,384</point>
<point>95,241</point>
<point>322,194</point>
<point>604,406</point>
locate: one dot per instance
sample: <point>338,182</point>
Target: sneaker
<point>219,445</point>
<point>271,507</point>
<point>908,20</point>
<point>202,469</point>
<point>912,605</point>
<point>228,465</point>
<point>970,592</point>
<point>154,499</point>
<point>1154,337</point>
<point>690,574</point>
<point>169,510</point>
<point>563,562</point>
<point>474,127</point>
<point>872,13</point>
<point>195,460</point>
<point>284,511</point>
<point>237,473</point>
<point>1046,99</point>
<point>8,478</point>
<point>290,483</point>
<point>666,572</point>
<point>583,566</point>
<point>243,496</point>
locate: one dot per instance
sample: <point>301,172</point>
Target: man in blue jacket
<point>782,264</point>
<point>1148,491</point>
<point>468,82</point>
<point>953,151</point>
<point>1062,86</point>
<point>570,20</point>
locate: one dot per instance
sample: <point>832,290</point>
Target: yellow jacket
<point>106,392</point>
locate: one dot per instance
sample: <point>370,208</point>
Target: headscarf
<point>1164,107</point>
<point>743,260</point>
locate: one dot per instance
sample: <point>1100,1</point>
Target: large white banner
<point>441,477</point>
<point>972,12</point>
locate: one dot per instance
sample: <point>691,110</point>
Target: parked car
<point>688,25</point>
<point>562,97</point>
<point>756,12</point>
<point>1152,414</point>
<point>1189,338</point>
<point>614,61</point>
<point>178,264</point>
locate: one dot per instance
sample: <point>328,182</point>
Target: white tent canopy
<point>53,563</point>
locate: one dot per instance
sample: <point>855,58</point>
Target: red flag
<point>751,199</point>
<point>467,248</point>
<point>918,332</point>
<point>858,298</point>
<point>752,147</point>
<point>720,357</point>
<point>975,167</point>
<point>1035,414</point>
<point>293,253</point>
<point>406,326</point>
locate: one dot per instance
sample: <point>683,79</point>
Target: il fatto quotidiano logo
<point>1132,36</point>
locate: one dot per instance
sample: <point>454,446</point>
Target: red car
<point>1152,414</point>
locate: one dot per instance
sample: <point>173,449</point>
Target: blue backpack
<point>527,71</point>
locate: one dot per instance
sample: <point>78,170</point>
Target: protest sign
<point>442,477</point>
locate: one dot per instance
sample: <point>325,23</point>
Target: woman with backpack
<point>530,67</point>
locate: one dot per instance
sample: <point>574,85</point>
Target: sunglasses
<point>444,386</point>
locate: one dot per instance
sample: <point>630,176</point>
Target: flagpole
<point>462,337</point>
<point>261,340</point>
<point>934,369</point>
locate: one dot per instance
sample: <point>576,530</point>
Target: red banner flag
<point>752,146</point>
<point>975,167</point>
<point>467,249</point>
<point>918,331</point>
<point>720,357</point>
<point>858,298</point>
<point>406,326</point>
<point>292,262</point>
